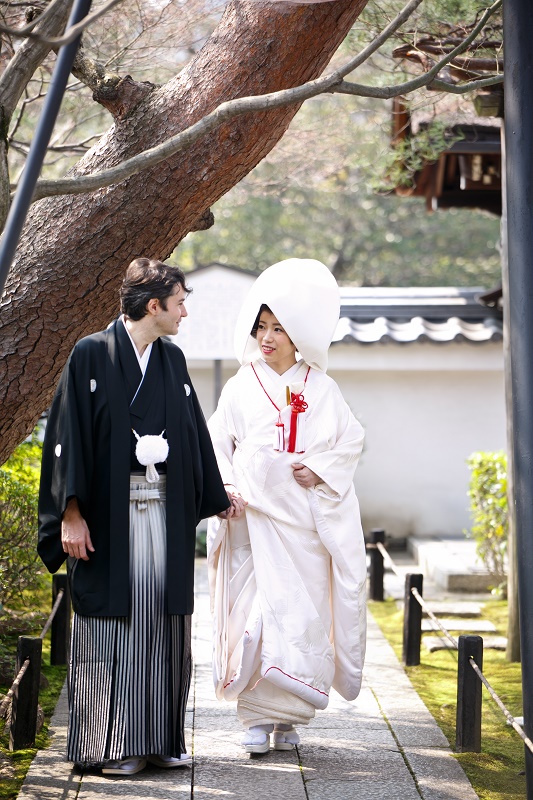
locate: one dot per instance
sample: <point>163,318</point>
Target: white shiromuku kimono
<point>287,578</point>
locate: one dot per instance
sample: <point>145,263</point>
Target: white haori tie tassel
<point>151,450</point>
<point>297,405</point>
<point>279,435</point>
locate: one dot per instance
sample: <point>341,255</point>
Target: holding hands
<point>237,506</point>
<point>302,475</point>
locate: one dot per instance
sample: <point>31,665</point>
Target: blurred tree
<point>314,195</point>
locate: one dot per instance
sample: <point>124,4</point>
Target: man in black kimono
<point>128,471</point>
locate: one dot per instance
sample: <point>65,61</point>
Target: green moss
<point>14,765</point>
<point>497,772</point>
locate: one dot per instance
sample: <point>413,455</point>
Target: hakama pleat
<point>130,676</point>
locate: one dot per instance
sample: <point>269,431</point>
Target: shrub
<point>488,507</point>
<point>19,564</point>
<point>19,481</point>
<point>24,464</point>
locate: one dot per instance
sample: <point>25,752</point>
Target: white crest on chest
<point>93,385</point>
<point>58,450</point>
<point>187,389</point>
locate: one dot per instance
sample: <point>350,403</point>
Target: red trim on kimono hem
<point>295,679</point>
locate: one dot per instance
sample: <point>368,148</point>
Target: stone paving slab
<point>455,608</point>
<point>452,608</point>
<point>466,625</point>
<point>383,746</point>
<point>434,643</point>
<point>451,562</point>
<point>439,774</point>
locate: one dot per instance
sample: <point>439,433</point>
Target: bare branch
<point>374,45</point>
<point>26,60</point>
<point>464,88</point>
<point>73,32</point>
<point>90,72</point>
<point>387,92</point>
<point>232,108</point>
<point>27,29</point>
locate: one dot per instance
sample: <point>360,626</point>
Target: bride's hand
<point>238,503</point>
<point>305,476</point>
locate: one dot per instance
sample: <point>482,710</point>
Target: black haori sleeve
<point>214,497</point>
<point>66,464</point>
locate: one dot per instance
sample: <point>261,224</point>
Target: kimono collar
<point>289,376</point>
<point>144,359</point>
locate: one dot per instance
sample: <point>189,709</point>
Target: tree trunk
<point>74,249</point>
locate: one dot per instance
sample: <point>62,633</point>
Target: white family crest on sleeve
<point>58,450</point>
<point>93,385</point>
<point>187,389</point>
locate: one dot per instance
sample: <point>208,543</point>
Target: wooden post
<point>469,700</point>
<point>60,635</point>
<point>26,697</point>
<point>377,568</point>
<point>512,651</point>
<point>518,90</point>
<point>412,621</point>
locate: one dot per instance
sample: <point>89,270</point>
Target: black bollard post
<point>60,636</point>
<point>26,697</point>
<point>469,700</point>
<point>412,621</point>
<point>377,568</point>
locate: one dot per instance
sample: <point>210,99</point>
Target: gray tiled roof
<point>404,316</point>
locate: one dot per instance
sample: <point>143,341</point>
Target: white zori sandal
<point>285,737</point>
<point>257,739</point>
<point>128,766</point>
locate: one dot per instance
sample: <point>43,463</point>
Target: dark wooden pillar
<point>469,696</point>
<point>412,621</point>
<point>377,567</point>
<point>518,35</point>
<point>26,698</point>
<point>60,642</point>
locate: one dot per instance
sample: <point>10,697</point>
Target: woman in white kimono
<point>288,571</point>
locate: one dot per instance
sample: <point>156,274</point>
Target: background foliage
<point>20,568</point>
<point>488,504</point>
<point>315,196</point>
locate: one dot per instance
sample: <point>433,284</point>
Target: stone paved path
<point>383,746</point>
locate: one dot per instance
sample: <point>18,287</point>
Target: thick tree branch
<point>119,95</point>
<point>232,108</point>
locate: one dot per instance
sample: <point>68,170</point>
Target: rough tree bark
<point>74,249</point>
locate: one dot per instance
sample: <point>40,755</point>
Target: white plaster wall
<point>420,429</point>
<point>425,409</point>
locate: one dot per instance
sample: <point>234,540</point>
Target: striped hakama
<point>130,676</point>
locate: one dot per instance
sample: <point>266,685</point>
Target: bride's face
<point>276,348</point>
